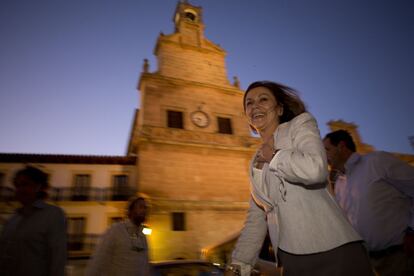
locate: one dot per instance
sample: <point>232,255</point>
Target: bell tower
<point>186,54</point>
<point>188,22</point>
<point>192,142</point>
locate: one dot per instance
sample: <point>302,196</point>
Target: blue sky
<point>69,69</point>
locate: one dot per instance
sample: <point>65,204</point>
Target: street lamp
<point>146,230</point>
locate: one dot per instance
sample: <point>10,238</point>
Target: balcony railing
<point>73,194</point>
<point>91,194</point>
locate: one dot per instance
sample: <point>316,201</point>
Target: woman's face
<point>262,109</point>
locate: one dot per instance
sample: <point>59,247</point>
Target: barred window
<point>76,233</point>
<point>120,187</point>
<point>224,125</point>
<point>178,221</point>
<point>2,179</point>
<point>175,119</point>
<point>81,187</point>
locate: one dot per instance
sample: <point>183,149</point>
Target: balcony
<point>91,194</point>
<point>72,194</point>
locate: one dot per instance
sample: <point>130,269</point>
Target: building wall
<point>204,227</point>
<point>204,65</point>
<point>193,173</point>
<point>159,94</point>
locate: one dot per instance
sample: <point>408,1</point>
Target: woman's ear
<point>280,110</point>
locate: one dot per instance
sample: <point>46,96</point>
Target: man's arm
<point>101,258</point>
<point>401,176</point>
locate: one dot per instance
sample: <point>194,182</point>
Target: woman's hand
<point>264,155</point>
<point>229,273</point>
<point>233,270</point>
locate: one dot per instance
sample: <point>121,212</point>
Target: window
<point>120,188</point>
<point>224,125</point>
<point>178,221</point>
<point>190,16</point>
<point>175,119</point>
<point>81,187</point>
<point>3,191</point>
<point>76,233</point>
<point>2,179</point>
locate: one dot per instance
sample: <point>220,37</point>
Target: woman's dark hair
<point>37,176</point>
<point>285,96</point>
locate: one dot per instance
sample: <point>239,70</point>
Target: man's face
<point>138,212</point>
<point>26,189</point>
<point>333,154</point>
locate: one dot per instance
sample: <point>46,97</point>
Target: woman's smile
<point>261,108</point>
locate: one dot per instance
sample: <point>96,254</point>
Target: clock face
<point>200,118</point>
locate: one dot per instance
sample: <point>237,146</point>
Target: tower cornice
<point>166,80</point>
<point>184,137</point>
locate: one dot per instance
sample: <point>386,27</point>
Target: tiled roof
<point>66,159</point>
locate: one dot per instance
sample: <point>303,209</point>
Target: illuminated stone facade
<point>196,168</point>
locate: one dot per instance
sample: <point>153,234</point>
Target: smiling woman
<point>289,196</point>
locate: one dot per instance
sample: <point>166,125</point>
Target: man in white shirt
<point>376,191</point>
<point>123,248</point>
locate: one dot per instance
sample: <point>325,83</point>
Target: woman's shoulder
<point>301,119</point>
<point>289,128</point>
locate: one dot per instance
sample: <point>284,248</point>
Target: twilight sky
<point>69,68</point>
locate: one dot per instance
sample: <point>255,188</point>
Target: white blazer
<point>290,198</point>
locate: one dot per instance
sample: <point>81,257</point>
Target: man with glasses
<point>123,249</point>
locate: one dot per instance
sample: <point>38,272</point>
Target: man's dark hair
<point>37,176</point>
<point>341,135</point>
<point>133,202</point>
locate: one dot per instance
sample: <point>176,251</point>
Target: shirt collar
<point>39,204</point>
<point>131,225</point>
<point>352,161</point>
